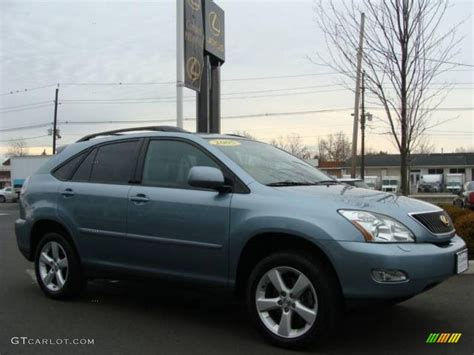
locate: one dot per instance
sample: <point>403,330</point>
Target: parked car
<point>7,194</point>
<point>431,183</point>
<point>354,182</point>
<point>232,212</point>
<point>466,196</point>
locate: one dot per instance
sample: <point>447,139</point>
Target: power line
<point>25,105</point>
<point>27,138</point>
<point>26,108</point>
<point>20,128</point>
<point>22,91</point>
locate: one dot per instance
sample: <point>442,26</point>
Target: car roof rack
<point>117,132</point>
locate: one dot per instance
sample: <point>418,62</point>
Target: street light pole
<point>355,127</point>
<point>55,121</point>
<point>362,129</point>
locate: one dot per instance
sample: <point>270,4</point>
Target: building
<point>23,166</point>
<point>419,164</point>
<point>332,168</point>
<point>4,176</point>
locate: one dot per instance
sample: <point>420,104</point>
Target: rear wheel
<point>293,299</point>
<point>57,267</point>
<point>3,199</point>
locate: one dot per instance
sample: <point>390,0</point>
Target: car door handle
<point>67,193</point>
<point>140,198</point>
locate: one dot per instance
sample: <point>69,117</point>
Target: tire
<point>60,258</point>
<point>3,199</point>
<point>321,298</point>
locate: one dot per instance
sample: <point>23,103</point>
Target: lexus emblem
<point>445,220</point>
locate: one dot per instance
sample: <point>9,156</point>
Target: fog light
<point>389,275</point>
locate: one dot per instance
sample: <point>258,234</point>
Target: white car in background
<point>7,195</point>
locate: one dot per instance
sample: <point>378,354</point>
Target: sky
<point>89,47</point>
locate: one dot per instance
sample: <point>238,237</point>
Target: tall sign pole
<point>179,61</point>
<point>55,120</point>
<point>214,45</point>
<point>357,97</point>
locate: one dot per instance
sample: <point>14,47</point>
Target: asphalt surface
<point>160,318</point>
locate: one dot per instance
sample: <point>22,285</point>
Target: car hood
<point>346,196</point>
<point>336,197</point>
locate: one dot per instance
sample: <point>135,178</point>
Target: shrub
<point>465,228</point>
<point>455,212</point>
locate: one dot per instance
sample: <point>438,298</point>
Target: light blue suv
<point>233,212</point>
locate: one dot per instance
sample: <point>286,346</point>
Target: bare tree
<point>293,144</point>
<point>424,146</point>
<point>244,134</point>
<point>17,148</point>
<point>336,147</point>
<point>406,47</point>
<point>373,151</point>
<point>469,149</point>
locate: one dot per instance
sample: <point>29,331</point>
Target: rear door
<point>94,201</point>
<point>174,228</point>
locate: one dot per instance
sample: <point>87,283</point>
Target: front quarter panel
<point>261,212</point>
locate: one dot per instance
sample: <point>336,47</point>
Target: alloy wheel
<point>286,302</point>
<point>53,266</point>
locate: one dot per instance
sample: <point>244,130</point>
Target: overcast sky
<point>76,42</point>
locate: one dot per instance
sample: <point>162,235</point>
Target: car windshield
<point>361,184</point>
<point>269,165</point>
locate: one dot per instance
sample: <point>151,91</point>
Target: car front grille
<point>435,221</point>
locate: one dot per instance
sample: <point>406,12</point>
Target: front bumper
<point>425,264</point>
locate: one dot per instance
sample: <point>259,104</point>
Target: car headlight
<point>378,228</point>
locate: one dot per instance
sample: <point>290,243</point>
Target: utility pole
<point>179,61</point>
<point>362,129</point>
<point>357,96</point>
<point>55,121</point>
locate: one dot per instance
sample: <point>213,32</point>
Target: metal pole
<point>202,99</point>
<point>362,129</point>
<point>179,61</point>
<point>357,94</point>
<point>215,105</point>
<point>55,121</point>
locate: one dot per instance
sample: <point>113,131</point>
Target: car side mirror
<point>208,178</point>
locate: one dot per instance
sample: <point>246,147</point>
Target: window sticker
<point>224,142</point>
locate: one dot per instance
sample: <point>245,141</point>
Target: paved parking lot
<point>161,318</point>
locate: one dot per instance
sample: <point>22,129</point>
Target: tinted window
<point>83,173</point>
<point>114,163</point>
<point>64,172</point>
<point>167,163</point>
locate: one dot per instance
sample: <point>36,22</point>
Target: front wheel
<point>294,299</point>
<point>57,267</point>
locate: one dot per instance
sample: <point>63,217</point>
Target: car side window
<point>83,172</point>
<point>114,163</point>
<point>167,163</point>
<point>65,171</point>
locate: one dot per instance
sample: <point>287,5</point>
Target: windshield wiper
<point>291,183</point>
<point>328,182</point>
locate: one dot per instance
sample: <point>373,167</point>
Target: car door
<point>174,228</point>
<point>94,202</point>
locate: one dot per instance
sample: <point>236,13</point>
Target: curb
<point>469,271</point>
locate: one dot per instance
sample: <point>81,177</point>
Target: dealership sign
<point>214,30</point>
<point>193,44</point>
<point>203,34</point>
